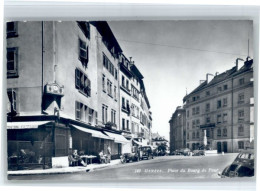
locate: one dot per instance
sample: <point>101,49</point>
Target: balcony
<point>208,125</point>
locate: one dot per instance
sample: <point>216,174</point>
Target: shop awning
<point>94,133</point>
<point>25,124</point>
<point>117,138</point>
<point>140,143</point>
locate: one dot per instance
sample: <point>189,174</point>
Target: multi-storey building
<point>135,113</point>
<point>178,129</point>
<point>219,112</point>
<point>63,90</point>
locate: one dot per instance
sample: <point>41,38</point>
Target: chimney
<point>239,64</point>
<point>216,73</point>
<point>209,77</point>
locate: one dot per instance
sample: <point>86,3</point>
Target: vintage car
<point>147,152</point>
<point>185,151</point>
<point>129,157</point>
<point>198,153</point>
<point>242,166</point>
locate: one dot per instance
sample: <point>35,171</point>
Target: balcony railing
<point>208,125</point>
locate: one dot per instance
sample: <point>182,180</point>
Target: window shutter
<point>77,78</point>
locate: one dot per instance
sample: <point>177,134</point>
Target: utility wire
<point>179,47</point>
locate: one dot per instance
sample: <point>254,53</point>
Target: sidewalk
<point>90,167</point>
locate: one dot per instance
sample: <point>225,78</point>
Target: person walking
<point>108,154</point>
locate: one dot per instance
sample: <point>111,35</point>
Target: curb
<point>19,173</point>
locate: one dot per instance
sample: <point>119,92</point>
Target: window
<point>219,104</point>
<point>219,132</point>
<point>115,92</point>
<point>109,66</point>
<point>83,53</point>
<point>240,145</point>
<point>241,130</point>
<point>208,119</point>
<point>123,103</point>
<point>104,83</point>
<point>219,89</point>
<point>82,83</point>
<point>109,88</point>
<point>197,122</point>
<point>127,125</point>
<point>207,107</point>
<point>198,134</point>
<point>218,118</point>
<point>241,81</point>
<point>127,84</point>
<point>116,74</point>
<point>193,135</point>
<point>207,93</point>
<point>188,113</point>
<point>11,29</point>
<point>224,132</point>
<point>135,93</point>
<point>12,62</point>
<point>113,116</point>
<point>224,102</point>
<point>96,116</point>
<point>241,98</point>
<point>123,123</point>
<point>133,128</point>
<point>194,98</point>
<point>188,125</point>
<point>193,111</point>
<point>224,117</point>
<point>12,96</point>
<point>104,114</point>
<point>193,124</point>
<point>207,133</point>
<point>90,115</point>
<point>123,81</point>
<point>241,115</point>
<point>188,136</point>
<point>225,87</point>
<point>197,110</point>
<point>79,107</point>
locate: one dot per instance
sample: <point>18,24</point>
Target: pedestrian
<point>108,153</point>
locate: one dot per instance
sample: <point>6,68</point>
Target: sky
<point>174,56</point>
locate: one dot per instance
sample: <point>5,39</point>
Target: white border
<point>135,10</point>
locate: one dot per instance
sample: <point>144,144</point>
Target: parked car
<point>242,166</point>
<point>198,153</point>
<point>185,151</point>
<point>147,152</point>
<point>129,157</point>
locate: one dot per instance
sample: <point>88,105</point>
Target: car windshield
<point>246,156</point>
<point>146,148</point>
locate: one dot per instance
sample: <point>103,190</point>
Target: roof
<point>106,32</point>
<point>248,65</point>
<point>136,71</point>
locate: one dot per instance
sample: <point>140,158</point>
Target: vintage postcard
<point>129,100</point>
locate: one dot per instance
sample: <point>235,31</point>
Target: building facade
<point>63,91</point>
<point>178,129</point>
<point>135,115</point>
<point>219,112</point>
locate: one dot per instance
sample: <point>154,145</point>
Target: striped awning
<point>117,137</point>
<point>25,124</point>
<point>94,133</point>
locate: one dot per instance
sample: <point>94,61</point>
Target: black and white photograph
<point>111,100</point>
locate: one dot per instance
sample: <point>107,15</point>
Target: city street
<point>164,168</point>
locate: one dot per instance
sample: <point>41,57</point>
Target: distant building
<point>223,110</point>
<point>157,140</point>
<point>178,129</point>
